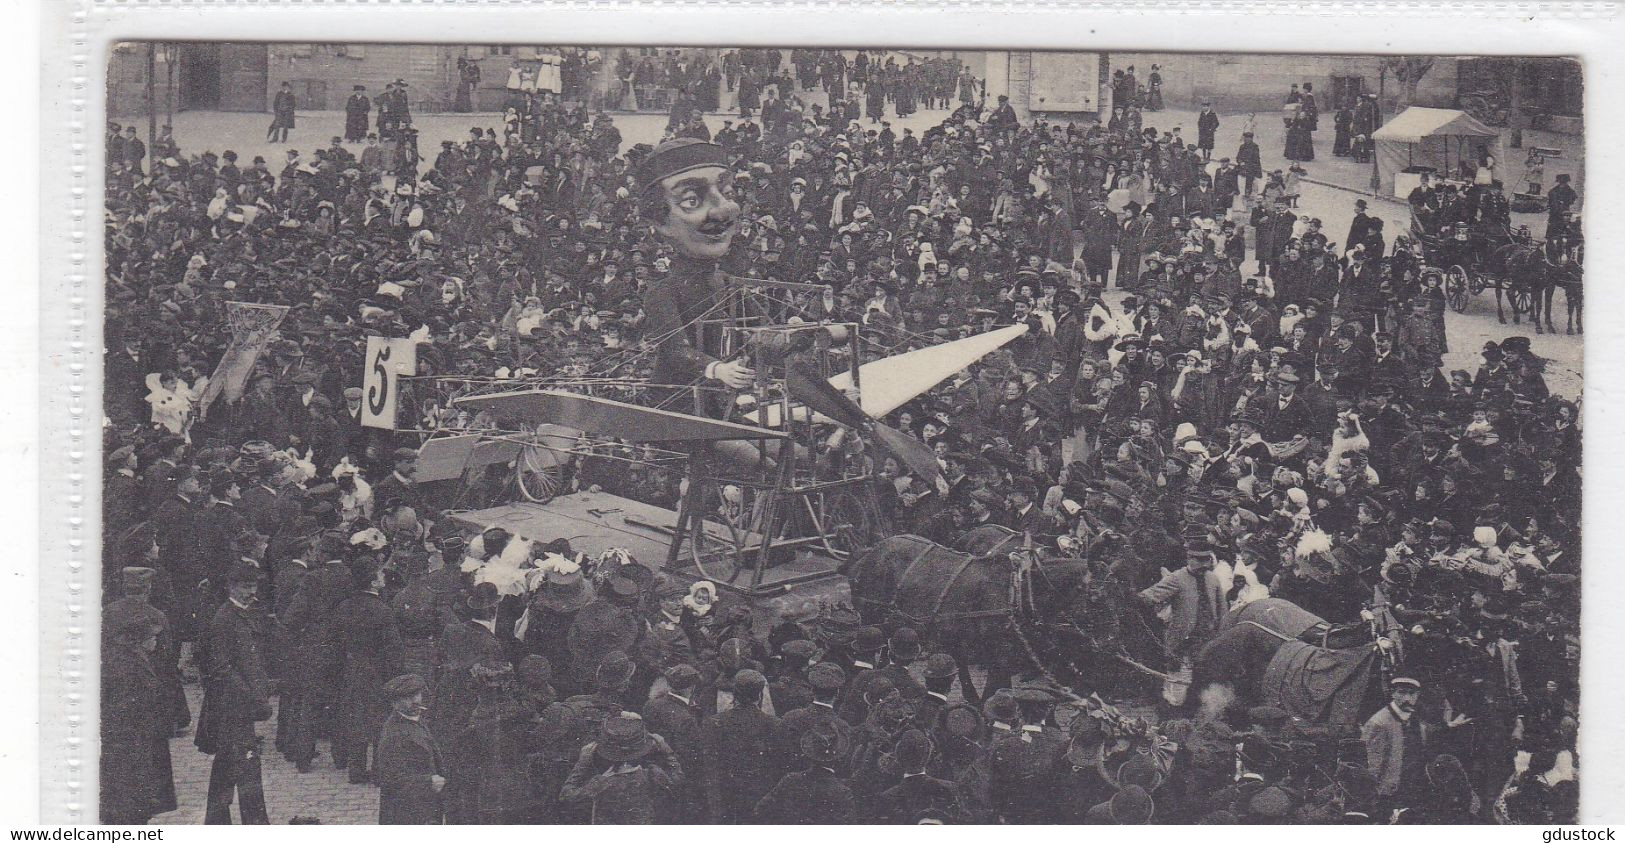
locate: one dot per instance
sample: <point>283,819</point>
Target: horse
<point>988,540</point>
<point>1273,651</point>
<point>995,611</point>
<point>1521,265</point>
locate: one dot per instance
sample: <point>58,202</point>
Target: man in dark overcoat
<point>737,763</point>
<point>410,773</point>
<point>282,114</point>
<point>356,111</point>
<point>370,643</point>
<point>236,695</point>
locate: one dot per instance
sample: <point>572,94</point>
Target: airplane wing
<point>630,422</point>
<point>891,382</point>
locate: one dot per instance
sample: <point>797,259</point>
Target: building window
<point>502,50</point>
<point>351,51</point>
<point>302,51</point>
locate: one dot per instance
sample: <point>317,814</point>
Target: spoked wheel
<point>541,466</point>
<point>1457,286</point>
<point>1522,299</point>
<point>716,547</point>
<point>849,521</point>
<point>719,559</point>
<point>1477,284</point>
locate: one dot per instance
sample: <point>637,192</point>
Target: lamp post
<point>152,104</point>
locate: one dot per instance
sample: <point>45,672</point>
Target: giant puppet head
<point>686,191</point>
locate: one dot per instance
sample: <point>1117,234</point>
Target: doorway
<point>199,70</point>
<point>1346,90</point>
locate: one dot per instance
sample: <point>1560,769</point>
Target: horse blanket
<point>1317,684</point>
<point>1283,616</point>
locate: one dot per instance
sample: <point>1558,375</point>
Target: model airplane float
<point>766,409</point>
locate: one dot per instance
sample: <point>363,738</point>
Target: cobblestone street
<point>323,794</point>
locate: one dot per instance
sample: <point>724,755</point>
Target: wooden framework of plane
<point>790,514</point>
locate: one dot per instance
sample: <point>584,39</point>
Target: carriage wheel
<point>1522,300</point>
<point>1457,283</point>
<point>848,521</point>
<point>1477,284</point>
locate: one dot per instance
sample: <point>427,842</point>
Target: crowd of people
<point>1264,395</point>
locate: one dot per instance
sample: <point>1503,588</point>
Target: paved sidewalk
<point>323,794</point>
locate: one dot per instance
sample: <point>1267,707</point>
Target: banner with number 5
<point>387,360</point>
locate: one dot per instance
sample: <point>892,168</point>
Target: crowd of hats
<point>524,255</point>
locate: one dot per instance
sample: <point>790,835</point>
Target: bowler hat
<point>682,677</point>
<point>1002,706</point>
<point>904,644</point>
<point>1131,806</point>
<point>826,677</point>
<point>940,666</point>
<point>483,597</point>
<point>868,639</point>
<point>403,686</point>
<point>912,751</point>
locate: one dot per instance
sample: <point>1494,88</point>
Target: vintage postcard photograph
<point>566,434</point>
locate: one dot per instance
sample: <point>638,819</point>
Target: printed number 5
<point>378,395</point>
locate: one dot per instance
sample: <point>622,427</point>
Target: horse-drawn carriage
<point>1466,260</point>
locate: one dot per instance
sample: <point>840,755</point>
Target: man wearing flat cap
<point>410,769</point>
<point>1196,597</point>
<point>1394,740</point>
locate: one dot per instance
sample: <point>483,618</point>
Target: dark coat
<point>313,660</point>
<point>283,108</point>
<point>1248,161</point>
<point>737,763</point>
<point>370,644</point>
<point>680,724</point>
<point>815,796</point>
<point>407,757</point>
<point>916,796</point>
<point>133,728</point>
<point>462,646</point>
<point>1207,125</point>
<point>236,690</point>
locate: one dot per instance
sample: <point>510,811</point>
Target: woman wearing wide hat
<point>552,610</point>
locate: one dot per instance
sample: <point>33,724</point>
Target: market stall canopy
<point>1415,123</point>
<point>1443,141</point>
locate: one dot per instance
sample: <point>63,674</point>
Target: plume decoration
<point>1314,541</point>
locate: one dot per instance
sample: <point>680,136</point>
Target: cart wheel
<point>1522,300</point>
<point>849,521</point>
<point>1456,286</point>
